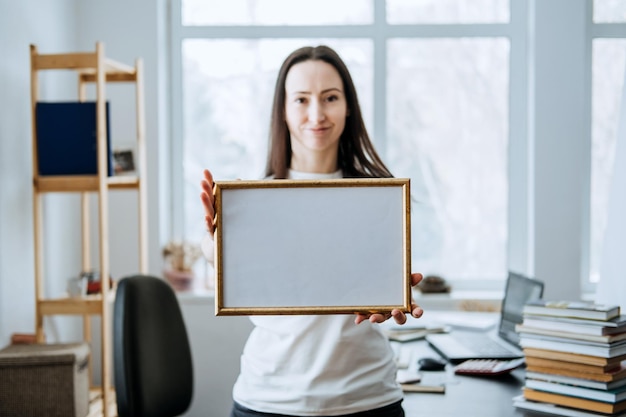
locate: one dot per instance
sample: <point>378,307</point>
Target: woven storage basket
<point>50,380</point>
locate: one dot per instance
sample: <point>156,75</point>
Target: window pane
<point>447,129</point>
<point>405,12</point>
<point>609,11</point>
<point>609,63</point>
<point>277,12</point>
<point>228,87</point>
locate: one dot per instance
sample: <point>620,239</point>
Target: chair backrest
<point>151,352</point>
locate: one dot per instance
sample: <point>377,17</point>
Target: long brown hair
<point>357,156</point>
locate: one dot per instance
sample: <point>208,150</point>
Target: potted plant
<point>179,258</point>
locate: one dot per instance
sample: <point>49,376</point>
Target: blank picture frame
<point>312,246</point>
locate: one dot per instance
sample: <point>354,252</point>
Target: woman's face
<point>315,108</point>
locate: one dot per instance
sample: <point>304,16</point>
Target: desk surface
<point>467,396</point>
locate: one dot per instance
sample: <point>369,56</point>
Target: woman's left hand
<point>398,316</point>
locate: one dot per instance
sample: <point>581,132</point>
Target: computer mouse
<point>431,364</point>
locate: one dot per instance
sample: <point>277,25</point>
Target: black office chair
<point>151,353</point>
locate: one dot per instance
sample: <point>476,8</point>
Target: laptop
<point>458,346</point>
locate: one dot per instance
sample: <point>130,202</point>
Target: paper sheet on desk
<point>413,331</point>
<point>430,382</point>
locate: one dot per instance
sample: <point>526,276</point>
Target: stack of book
<point>575,359</point>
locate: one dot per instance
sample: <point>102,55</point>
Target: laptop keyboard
<point>463,346</point>
<point>485,346</point>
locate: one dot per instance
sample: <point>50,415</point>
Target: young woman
<point>326,365</point>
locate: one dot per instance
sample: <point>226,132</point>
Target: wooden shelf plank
<point>87,62</point>
<point>83,305</point>
<point>90,304</point>
<point>114,72</point>
<point>90,77</point>
<point>82,183</point>
<point>77,60</point>
<point>112,66</point>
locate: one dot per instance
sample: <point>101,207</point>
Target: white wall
<point>216,346</point>
<point>51,25</point>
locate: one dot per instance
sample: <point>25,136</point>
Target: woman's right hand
<point>208,201</point>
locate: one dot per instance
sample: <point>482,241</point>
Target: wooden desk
<point>467,396</point>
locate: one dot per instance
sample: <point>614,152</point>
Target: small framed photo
<point>124,161</point>
<point>312,246</point>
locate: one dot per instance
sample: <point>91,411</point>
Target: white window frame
<point>597,31</point>
<point>522,250</point>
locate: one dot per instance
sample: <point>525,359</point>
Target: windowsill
<point>464,300</point>
<point>196,296</point>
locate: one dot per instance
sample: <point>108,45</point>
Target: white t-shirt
<point>315,365</point>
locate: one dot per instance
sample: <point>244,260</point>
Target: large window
<point>608,72</point>
<point>447,130</point>
<point>435,79</point>
<point>433,83</point>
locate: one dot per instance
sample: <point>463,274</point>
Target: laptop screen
<point>518,291</point>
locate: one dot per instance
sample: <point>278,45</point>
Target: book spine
<point>562,326</point>
<point>527,329</point>
<point>550,354</point>
<point>563,378</point>
<point>571,373</point>
<point>568,347</point>
<point>568,401</point>
<point>580,392</point>
<point>557,337</point>
<point>614,325</point>
<point>590,314</point>
<point>552,409</point>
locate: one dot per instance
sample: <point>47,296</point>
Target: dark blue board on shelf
<point>66,138</point>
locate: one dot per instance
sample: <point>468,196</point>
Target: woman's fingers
<point>208,176</point>
<point>373,318</point>
<point>208,203</point>
<point>207,188</point>
<point>208,200</point>
<point>398,315</point>
<point>416,278</point>
<point>416,311</point>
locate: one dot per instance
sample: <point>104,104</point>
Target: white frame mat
<point>312,246</point>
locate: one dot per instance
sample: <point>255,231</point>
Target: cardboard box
<point>49,380</point>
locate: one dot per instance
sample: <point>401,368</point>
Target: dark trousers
<point>392,410</point>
